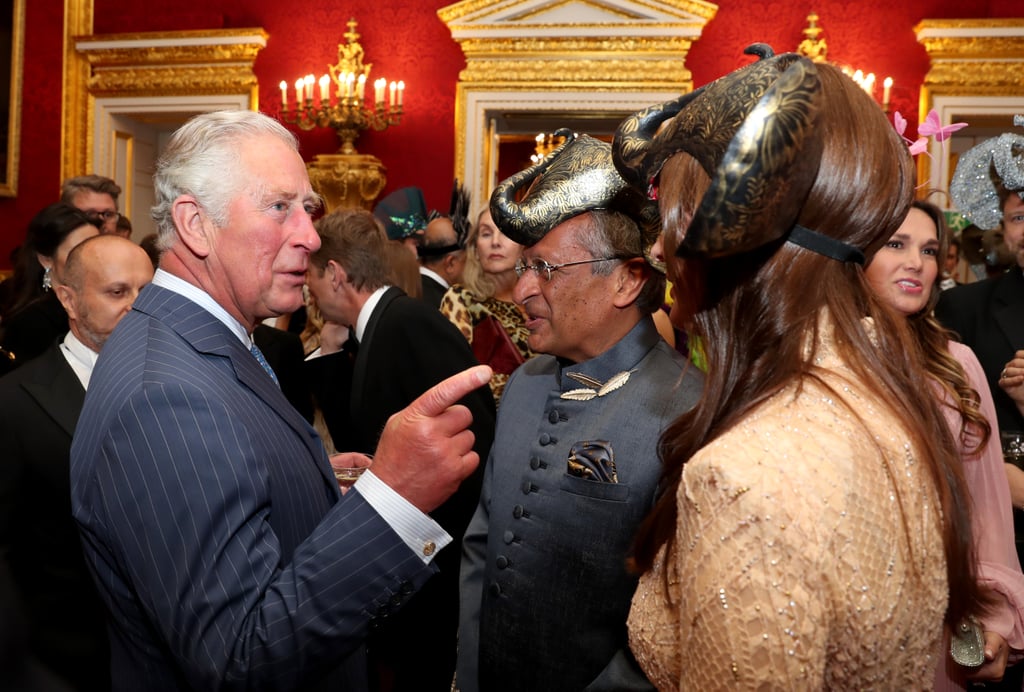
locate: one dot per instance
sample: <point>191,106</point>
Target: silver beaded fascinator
<point>999,160</point>
<point>577,177</point>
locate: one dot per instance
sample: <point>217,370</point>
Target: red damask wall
<point>405,39</point>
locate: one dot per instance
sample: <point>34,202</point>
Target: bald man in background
<point>63,622</point>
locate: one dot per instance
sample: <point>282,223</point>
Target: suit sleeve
<point>186,519</point>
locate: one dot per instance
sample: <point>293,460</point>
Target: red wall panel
<point>405,39</point>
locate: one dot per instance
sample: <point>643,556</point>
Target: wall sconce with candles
<point>814,47</point>
<point>346,179</point>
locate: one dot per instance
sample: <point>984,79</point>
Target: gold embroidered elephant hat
<point>576,177</point>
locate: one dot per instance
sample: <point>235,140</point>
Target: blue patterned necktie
<point>258,355</point>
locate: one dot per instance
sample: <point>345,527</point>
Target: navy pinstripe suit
<point>212,522</point>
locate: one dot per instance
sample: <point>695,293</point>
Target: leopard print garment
<point>464,309</point>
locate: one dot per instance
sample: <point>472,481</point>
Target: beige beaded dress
<point>808,554</point>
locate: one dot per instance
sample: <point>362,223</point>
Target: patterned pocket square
<point>593,460</point>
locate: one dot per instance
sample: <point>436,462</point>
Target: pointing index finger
<point>446,393</point>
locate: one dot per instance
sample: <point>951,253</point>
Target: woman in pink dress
<point>903,273</point>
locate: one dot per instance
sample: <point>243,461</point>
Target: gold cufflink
<point>429,548</point>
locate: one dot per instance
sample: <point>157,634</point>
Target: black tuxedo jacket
<point>988,316</point>
<point>39,407</point>
<point>433,291</point>
<point>407,348</point>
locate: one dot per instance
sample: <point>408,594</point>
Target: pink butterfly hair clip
<point>931,127</point>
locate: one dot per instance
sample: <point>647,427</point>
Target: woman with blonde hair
<point>813,528</point>
<point>482,306</point>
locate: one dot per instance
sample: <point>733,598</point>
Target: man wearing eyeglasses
<point>95,195</point>
<point>574,466</point>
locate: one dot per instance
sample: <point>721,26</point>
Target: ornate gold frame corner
<point>9,184</point>
<point>149,65</point>
<point>972,61</point>
<point>515,61</point>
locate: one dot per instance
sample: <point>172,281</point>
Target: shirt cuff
<point>423,535</point>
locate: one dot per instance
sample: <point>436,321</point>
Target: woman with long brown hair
<point>813,520</point>
<point>904,274</point>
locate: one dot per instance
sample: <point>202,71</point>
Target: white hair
<point>202,160</point>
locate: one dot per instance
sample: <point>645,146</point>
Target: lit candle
<point>391,98</point>
<point>378,90</point>
<point>351,88</point>
<point>310,81</point>
<point>401,90</point>
<point>361,90</point>
<point>886,90</point>
<point>298,93</point>
<point>284,94</point>
<point>325,97</point>
<point>869,84</point>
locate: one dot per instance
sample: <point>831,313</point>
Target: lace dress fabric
<point>465,310</point>
<point>808,553</point>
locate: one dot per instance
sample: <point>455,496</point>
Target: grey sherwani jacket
<point>545,591</point>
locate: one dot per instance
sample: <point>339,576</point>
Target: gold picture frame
<point>12,52</point>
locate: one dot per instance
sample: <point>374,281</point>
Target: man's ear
<point>336,273</point>
<point>66,296</point>
<point>630,278</point>
<point>193,226</point>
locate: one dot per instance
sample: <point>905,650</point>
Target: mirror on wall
<point>517,133</point>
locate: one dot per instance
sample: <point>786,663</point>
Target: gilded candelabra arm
<point>347,101</point>
<point>348,117</point>
<point>341,102</point>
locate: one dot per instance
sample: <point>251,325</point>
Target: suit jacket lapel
<point>57,389</point>
<point>1009,307</point>
<point>210,336</point>
<point>359,368</point>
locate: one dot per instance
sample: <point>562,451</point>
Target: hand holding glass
<point>349,466</point>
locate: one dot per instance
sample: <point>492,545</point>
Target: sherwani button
<point>534,463</point>
<point>517,512</point>
<point>508,537</point>
<point>502,562</point>
<point>553,416</point>
<point>545,439</point>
